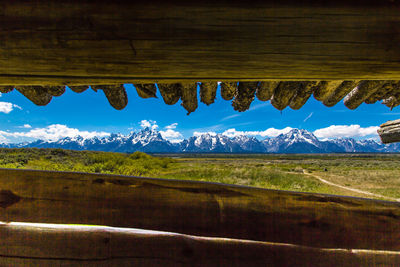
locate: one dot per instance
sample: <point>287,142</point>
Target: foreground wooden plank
<point>389,132</point>
<point>204,209</point>
<point>113,42</point>
<point>65,245</point>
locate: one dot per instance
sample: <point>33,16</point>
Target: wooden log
<point>116,95</point>
<point>196,208</point>
<point>189,97</point>
<point>6,89</point>
<point>228,90</point>
<point>265,90</point>
<point>171,93</point>
<point>56,90</point>
<point>115,42</point>
<point>340,92</point>
<point>283,94</point>
<point>146,90</point>
<point>37,94</point>
<point>392,98</point>
<point>325,89</point>
<point>244,95</point>
<point>359,94</point>
<point>389,132</point>
<point>384,92</point>
<point>303,93</point>
<point>392,101</point>
<point>27,244</point>
<point>79,89</point>
<point>208,91</point>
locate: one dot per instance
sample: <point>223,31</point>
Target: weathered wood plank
<point>389,132</point>
<point>81,42</point>
<point>50,245</point>
<point>204,209</point>
<point>360,93</point>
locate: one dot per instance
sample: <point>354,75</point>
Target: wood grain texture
<point>66,245</point>
<point>204,209</point>
<point>389,132</point>
<point>112,42</point>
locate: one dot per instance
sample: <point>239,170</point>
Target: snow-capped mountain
<point>210,143</point>
<point>149,140</point>
<point>295,141</point>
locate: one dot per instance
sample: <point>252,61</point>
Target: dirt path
<point>350,188</point>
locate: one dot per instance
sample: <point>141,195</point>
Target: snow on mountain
<point>149,140</point>
<point>295,141</point>
<point>249,144</point>
<point>207,142</point>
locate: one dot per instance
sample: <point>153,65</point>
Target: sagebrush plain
<point>361,175</point>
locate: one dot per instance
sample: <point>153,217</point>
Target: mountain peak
<point>299,135</point>
<point>299,131</point>
<point>150,140</point>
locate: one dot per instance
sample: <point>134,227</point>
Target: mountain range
<point>151,141</point>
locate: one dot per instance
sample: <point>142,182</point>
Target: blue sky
<point>89,114</point>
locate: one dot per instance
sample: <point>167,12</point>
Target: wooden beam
<point>114,42</point>
<point>196,208</point>
<point>26,244</point>
<point>389,132</point>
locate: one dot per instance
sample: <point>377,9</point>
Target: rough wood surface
<point>385,91</point>
<point>244,95</point>
<point>389,132</point>
<point>303,93</point>
<point>116,95</point>
<point>341,91</point>
<point>37,94</point>
<point>79,89</point>
<point>360,93</point>
<point>99,42</point>
<point>266,89</point>
<point>228,90</point>
<point>26,244</point>
<point>171,93</point>
<point>204,209</point>
<point>325,89</point>
<point>208,92</point>
<point>189,97</point>
<point>284,93</point>
<point>146,90</point>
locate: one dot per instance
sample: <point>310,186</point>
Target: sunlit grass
<point>378,174</point>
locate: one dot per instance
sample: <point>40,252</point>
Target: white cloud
<point>26,126</point>
<point>172,135</point>
<point>172,126</point>
<point>52,132</point>
<point>201,133</point>
<point>169,134</point>
<point>3,140</point>
<point>148,124</point>
<point>7,107</point>
<point>335,131</point>
<point>270,132</point>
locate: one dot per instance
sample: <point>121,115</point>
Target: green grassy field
<point>364,175</point>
